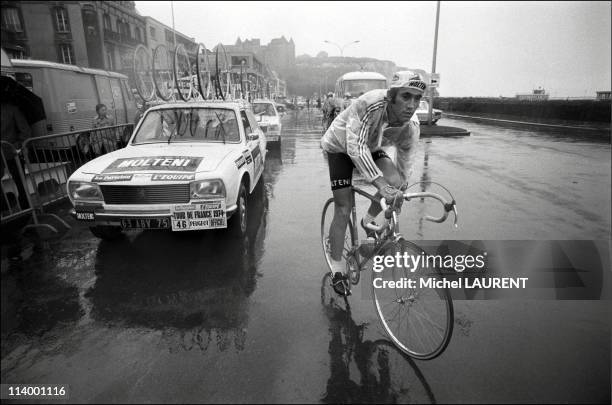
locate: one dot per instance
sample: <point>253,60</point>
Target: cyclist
<point>329,109</point>
<point>355,139</point>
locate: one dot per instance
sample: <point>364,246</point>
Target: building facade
<point>50,31</point>
<point>279,54</point>
<point>96,34</point>
<point>157,33</point>
<point>248,71</point>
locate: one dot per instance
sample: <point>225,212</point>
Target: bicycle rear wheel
<point>162,73</point>
<point>181,68</point>
<point>222,70</point>
<point>203,71</point>
<point>350,240</point>
<point>143,73</point>
<point>419,321</point>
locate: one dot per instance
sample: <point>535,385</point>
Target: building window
<point>138,35</point>
<point>109,59</point>
<point>152,32</point>
<point>11,21</point>
<point>107,22</point>
<point>16,53</point>
<point>67,54</point>
<point>169,37</point>
<point>61,20</point>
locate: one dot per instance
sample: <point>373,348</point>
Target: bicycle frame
<point>389,231</point>
<point>357,258</point>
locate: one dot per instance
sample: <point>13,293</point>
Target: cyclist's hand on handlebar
<point>392,195</point>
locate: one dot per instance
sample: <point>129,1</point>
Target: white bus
<point>357,83</point>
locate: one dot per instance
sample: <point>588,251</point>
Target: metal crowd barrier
<point>37,175</point>
<point>16,202</point>
<point>51,159</point>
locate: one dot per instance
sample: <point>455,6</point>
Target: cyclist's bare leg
<point>337,230</point>
<point>392,176</point>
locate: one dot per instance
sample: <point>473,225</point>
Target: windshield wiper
<point>222,127</point>
<point>175,127</point>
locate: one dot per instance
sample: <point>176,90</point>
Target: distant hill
<point>311,72</point>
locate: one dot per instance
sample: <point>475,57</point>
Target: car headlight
<point>207,189</point>
<point>81,190</point>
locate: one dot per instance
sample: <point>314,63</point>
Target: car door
<point>255,164</point>
<point>263,141</point>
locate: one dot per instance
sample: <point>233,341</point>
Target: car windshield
<point>266,109</point>
<point>358,87</point>
<point>189,125</point>
<point>423,105</point>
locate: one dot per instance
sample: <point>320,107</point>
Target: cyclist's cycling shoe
<point>339,285</point>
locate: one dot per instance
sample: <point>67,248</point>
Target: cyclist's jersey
<point>363,128</point>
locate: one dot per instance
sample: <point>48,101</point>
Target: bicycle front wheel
<point>419,321</point>
<point>350,239</point>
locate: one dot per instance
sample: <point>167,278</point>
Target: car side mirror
<point>252,137</point>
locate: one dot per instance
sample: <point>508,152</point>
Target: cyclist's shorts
<point>341,168</point>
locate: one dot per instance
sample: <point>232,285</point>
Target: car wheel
<point>106,232</point>
<point>238,222</point>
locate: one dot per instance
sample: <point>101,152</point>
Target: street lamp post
<point>341,48</point>
<point>242,92</point>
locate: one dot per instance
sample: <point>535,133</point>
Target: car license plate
<point>145,223</point>
<point>86,216</point>
<point>208,215</point>
<point>273,138</point>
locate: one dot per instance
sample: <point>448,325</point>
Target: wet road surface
<point>200,317</point>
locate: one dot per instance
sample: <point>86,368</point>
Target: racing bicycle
<point>419,321</point>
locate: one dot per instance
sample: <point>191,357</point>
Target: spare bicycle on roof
<point>166,76</point>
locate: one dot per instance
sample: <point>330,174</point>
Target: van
<point>70,93</point>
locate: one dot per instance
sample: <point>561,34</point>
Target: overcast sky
<point>484,49</point>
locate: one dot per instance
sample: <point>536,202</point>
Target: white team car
<point>187,166</point>
<point>269,119</point>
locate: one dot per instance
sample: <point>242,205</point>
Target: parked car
<point>423,113</point>
<point>269,120</point>
<point>186,167</point>
<point>280,108</point>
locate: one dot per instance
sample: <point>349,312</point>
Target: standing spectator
<point>143,108</point>
<point>329,110</point>
<point>15,130</point>
<point>319,103</point>
<point>102,119</point>
<point>347,101</point>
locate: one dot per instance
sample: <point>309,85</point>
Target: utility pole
<point>433,65</point>
<point>173,30</point>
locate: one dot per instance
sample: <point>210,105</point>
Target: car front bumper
<point>103,215</point>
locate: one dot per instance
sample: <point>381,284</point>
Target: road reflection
<point>366,371</point>
<point>194,287</point>
<point>35,300</point>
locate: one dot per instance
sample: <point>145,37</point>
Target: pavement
<point>200,317</point>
